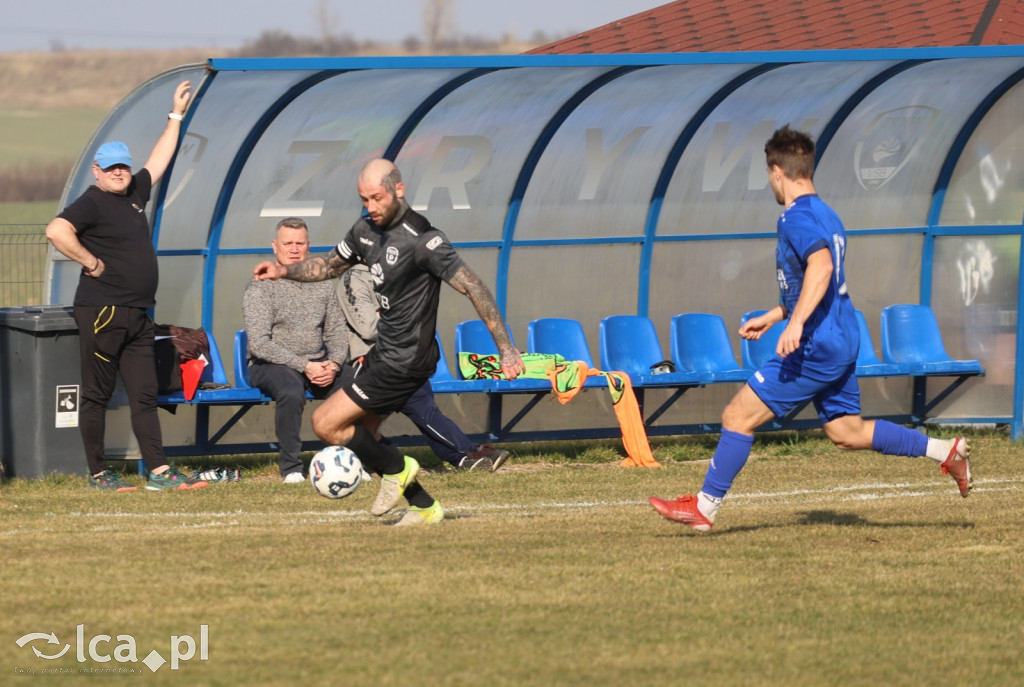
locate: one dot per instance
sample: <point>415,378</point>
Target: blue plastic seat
<point>564,337</point>
<point>214,373</point>
<point>700,343</point>
<point>868,363</point>
<point>756,352</point>
<point>444,382</point>
<point>473,336</point>
<point>559,336</point>
<point>629,343</point>
<point>242,360</point>
<point>911,336</point>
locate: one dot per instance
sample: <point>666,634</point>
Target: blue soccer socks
<point>730,456</point>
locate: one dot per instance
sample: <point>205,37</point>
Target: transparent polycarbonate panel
<point>881,167</point>
<point>179,298</point>
<point>974,294</point>
<point>232,105</point>
<point>461,163</point>
<point>597,175</point>
<point>720,185</point>
<point>882,270</point>
<point>307,161</point>
<point>727,278</point>
<point>987,186</point>
<point>138,121</point>
<point>62,278</point>
<point>603,282</point>
<point>455,307</point>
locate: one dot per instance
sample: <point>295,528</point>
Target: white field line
<point>235,518</point>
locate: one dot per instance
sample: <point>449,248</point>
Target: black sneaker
<point>497,456</point>
<point>110,481</point>
<point>475,461</point>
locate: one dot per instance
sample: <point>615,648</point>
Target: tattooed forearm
<point>335,265</point>
<point>466,281</point>
<point>318,268</point>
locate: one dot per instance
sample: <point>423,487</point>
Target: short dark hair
<point>292,223</point>
<point>792,151</point>
<point>391,180</point>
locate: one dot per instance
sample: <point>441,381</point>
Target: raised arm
<point>165,146</point>
<point>466,281</point>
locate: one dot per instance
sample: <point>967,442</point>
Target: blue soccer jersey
<point>831,333</point>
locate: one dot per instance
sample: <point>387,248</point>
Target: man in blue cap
<point>107,232</point>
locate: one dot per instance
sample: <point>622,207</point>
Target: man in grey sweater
<point>298,342</point>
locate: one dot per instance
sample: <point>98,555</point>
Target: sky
<point>45,25</point>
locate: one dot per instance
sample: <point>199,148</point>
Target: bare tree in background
<point>438,22</point>
<point>327,20</point>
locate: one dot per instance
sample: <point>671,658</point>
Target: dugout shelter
<point>583,186</point>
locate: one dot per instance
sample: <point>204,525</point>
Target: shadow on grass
<point>816,517</point>
<point>831,517</point>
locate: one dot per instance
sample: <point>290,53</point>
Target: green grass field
<point>39,212</point>
<point>48,135</point>
<point>825,568</point>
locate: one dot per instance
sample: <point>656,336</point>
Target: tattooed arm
<point>466,281</point>
<point>319,268</point>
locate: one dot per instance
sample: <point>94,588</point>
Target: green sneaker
<point>393,486</point>
<point>172,479</point>
<point>110,481</point>
<point>422,516</point>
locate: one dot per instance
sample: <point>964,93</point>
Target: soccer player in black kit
<point>408,259</point>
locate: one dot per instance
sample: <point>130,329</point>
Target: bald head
<point>381,190</point>
<point>381,172</point>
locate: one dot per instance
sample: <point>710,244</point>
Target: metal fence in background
<point>22,264</point>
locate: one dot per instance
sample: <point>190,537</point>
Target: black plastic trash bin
<point>40,378</point>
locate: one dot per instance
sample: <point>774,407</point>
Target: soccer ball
<point>335,472</point>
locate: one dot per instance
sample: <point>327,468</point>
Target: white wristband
<point>172,115</point>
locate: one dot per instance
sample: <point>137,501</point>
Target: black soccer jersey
<point>408,262</point>
<point>115,229</point>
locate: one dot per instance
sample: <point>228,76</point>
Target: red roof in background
<point>745,25</point>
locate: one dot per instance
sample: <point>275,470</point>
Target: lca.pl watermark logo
<point>182,648</point>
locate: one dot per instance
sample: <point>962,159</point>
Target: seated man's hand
<point>321,373</point>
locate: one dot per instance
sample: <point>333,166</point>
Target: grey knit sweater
<point>291,323</point>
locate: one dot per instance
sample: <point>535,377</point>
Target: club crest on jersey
<point>391,255</point>
<point>434,242</point>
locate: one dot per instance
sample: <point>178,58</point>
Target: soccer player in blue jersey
<point>816,355</point>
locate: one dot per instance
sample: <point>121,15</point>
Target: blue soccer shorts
<point>785,383</point>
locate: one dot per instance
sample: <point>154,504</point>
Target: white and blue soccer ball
<point>335,472</point>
